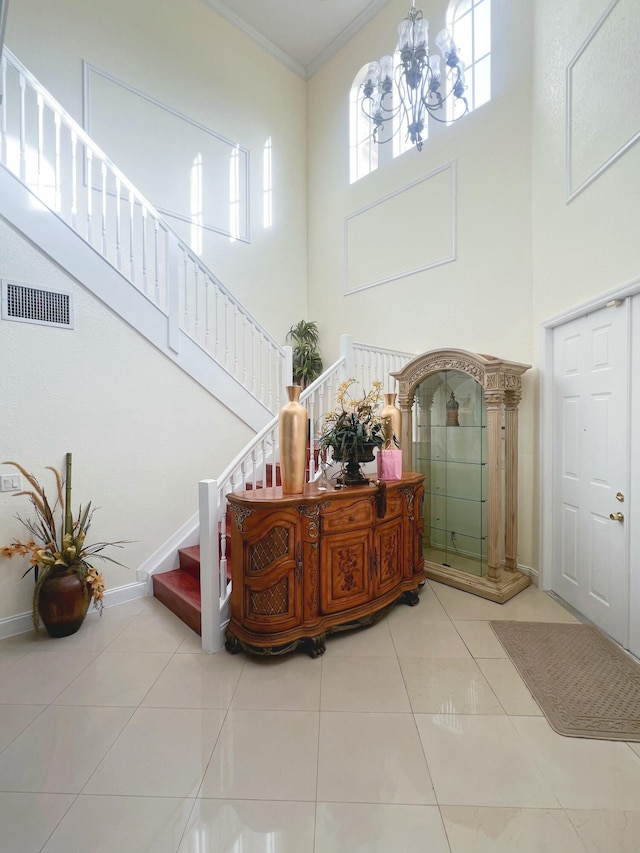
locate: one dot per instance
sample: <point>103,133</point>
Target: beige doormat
<point>585,685</point>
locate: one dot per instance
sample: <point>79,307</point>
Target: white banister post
<point>287,371</point>
<point>209,565</point>
<point>173,293</point>
<point>346,352</point>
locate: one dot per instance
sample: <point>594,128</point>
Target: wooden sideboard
<point>307,565</point>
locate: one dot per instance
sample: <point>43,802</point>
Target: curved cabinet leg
<point>315,646</point>
<point>410,597</point>
<point>232,645</point>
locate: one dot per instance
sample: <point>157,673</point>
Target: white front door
<point>591,467</point>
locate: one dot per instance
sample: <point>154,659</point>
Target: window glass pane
<point>482,28</point>
<point>462,9</point>
<point>463,37</point>
<point>482,88</point>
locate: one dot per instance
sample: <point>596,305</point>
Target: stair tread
<point>179,591</point>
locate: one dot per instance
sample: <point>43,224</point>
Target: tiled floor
<point>416,735</point>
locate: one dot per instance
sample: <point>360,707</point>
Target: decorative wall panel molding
<point>422,218</point>
<point>603,108</point>
<point>184,168</point>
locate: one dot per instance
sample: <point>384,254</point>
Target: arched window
<point>469,22</point>
<point>363,151</point>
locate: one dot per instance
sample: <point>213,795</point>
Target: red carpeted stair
<point>179,589</point>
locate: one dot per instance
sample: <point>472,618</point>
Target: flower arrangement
<point>57,541</point>
<point>354,423</point>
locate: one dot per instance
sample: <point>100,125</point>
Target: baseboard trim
<point>23,622</point>
<point>534,574</point>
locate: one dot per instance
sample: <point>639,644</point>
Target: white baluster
<point>118,226</point>
<point>185,262</point>
<point>74,180</point>
<point>145,272</point>
<point>89,153</point>
<point>58,186</point>
<point>156,250</point>
<point>132,266</point>
<point>103,166</point>
<point>23,132</point>
<point>40,104</point>
<point>3,119</point>
<point>207,331</point>
<point>197,302</point>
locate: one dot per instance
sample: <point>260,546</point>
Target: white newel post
<point>209,565</point>
<point>346,352</point>
<point>287,373</point>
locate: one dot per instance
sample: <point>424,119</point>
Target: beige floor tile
<point>375,828</point>
<point>265,755</point>
<point>460,605</point>
<point>115,678</point>
<point>583,773</point>
<point>151,631</point>
<point>122,824</point>
<point>290,683</point>
<point>509,687</point>
<point>59,751</point>
<point>635,747</point>
<point>372,641</point>
<point>250,826</point>
<point>480,761</point>
<point>27,820</point>
<point>428,609</point>
<point>473,829</point>
<point>480,639</point>
<point>363,684</point>
<point>14,719</point>
<point>192,644</point>
<point>196,681</point>
<point>162,752</point>
<point>449,686</point>
<point>427,639</point>
<point>37,677</point>
<point>372,758</point>
<point>608,831</point>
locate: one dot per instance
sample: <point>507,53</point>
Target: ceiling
<point>303,34</point>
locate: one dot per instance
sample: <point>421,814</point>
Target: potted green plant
<point>66,582</point>
<point>352,430</point>
<point>307,361</point>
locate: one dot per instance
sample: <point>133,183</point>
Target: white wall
<point>195,62</point>
<point>590,245</point>
<point>483,300</point>
<point>141,432</point>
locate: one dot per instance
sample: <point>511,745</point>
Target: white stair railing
<point>255,466</point>
<point>61,165</point>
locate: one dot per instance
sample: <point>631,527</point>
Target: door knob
<point>616,516</point>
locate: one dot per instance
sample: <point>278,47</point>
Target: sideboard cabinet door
<point>389,556</point>
<point>345,571</point>
<point>268,588</point>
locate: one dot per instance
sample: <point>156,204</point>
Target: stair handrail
<point>144,249</point>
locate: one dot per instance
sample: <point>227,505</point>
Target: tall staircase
<point>94,223</point>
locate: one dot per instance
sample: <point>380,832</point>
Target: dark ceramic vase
<point>351,474</point>
<point>63,601</point>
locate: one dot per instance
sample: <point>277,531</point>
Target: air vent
<point>35,305</point>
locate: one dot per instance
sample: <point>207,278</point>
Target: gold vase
<point>391,418</point>
<point>292,425</point>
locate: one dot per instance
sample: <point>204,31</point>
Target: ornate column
<point>494,482</point>
<point>405,404</point>
<point>511,399</point>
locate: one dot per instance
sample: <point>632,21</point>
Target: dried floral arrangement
<point>57,540</point>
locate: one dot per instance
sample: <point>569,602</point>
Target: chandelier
<point>420,82</point>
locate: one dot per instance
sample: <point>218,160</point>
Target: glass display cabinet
<point>460,429</point>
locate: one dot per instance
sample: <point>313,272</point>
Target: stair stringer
<point>76,257</point>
